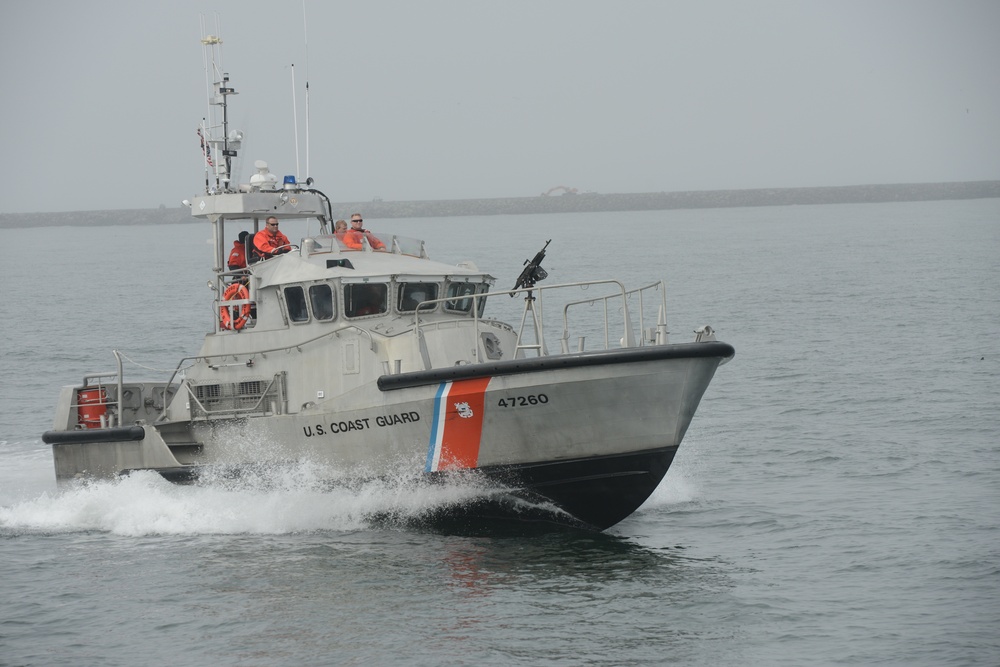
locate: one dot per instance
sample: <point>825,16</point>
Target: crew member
<point>353,237</point>
<point>238,255</point>
<point>340,231</point>
<point>269,241</point>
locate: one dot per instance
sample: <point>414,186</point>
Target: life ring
<point>229,319</point>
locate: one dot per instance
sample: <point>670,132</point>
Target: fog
<point>467,99</point>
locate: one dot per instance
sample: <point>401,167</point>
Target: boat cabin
<point>327,278</point>
<point>323,280</point>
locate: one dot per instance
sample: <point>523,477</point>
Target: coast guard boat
<point>366,356</point>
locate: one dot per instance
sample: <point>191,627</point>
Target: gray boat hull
<point>592,434</point>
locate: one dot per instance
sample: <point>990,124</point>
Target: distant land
<point>565,203</point>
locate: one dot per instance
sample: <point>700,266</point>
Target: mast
<point>217,134</point>
<point>222,92</point>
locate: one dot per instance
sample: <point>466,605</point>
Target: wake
<point>290,498</point>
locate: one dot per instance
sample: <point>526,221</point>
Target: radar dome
<point>263,179</point>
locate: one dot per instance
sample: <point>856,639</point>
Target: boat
<point>366,356</point>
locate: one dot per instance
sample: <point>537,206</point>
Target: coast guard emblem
<point>457,427</point>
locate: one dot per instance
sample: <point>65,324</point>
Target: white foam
<point>290,499</point>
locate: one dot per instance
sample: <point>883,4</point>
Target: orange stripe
<point>461,435</point>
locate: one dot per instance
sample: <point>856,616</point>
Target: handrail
<point>97,378</point>
<point>337,331</point>
<point>538,322</point>
<point>624,296</point>
<point>475,314</point>
<point>118,358</point>
<point>252,408</point>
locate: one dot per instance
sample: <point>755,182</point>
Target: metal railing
<point>660,333</point>
<point>251,353</point>
<point>534,309</point>
<point>230,400</point>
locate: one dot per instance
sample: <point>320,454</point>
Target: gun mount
<point>533,271</point>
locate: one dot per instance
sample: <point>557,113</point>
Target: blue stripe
<point>438,398</point>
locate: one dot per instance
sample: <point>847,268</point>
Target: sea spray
<point>273,498</point>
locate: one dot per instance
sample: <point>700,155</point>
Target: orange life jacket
<point>265,243</point>
<point>238,256</point>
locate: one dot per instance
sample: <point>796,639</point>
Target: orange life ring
<point>227,315</point>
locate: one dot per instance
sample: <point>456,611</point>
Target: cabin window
<point>362,299</point>
<point>459,295</point>
<point>456,292</point>
<point>411,294</point>
<point>295,300</point>
<point>321,298</point>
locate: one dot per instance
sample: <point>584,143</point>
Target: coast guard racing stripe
<point>458,425</point>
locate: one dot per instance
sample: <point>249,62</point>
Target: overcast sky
<point>464,99</point>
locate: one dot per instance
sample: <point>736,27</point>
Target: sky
<point>455,99</point>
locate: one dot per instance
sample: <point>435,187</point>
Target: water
<point>836,500</point>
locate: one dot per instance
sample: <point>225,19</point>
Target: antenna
<point>208,81</point>
<point>208,60</point>
<point>204,151</point>
<point>305,39</point>
<point>295,125</point>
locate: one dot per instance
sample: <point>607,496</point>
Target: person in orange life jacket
<point>353,238</point>
<point>269,241</point>
<point>238,255</point>
<point>340,231</point>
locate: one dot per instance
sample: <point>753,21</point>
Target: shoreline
<point>566,203</point>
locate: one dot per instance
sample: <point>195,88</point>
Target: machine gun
<point>533,271</point>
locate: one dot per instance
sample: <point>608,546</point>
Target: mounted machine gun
<point>533,271</point>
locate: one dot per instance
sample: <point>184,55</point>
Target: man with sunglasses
<point>269,241</point>
<point>353,236</point>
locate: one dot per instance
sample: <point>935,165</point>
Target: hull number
<point>523,401</point>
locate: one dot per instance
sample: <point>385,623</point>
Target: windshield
<point>353,241</point>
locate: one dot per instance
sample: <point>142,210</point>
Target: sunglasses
<point>357,220</point>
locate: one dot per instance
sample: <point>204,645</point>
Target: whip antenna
<point>305,39</point>
<point>295,124</point>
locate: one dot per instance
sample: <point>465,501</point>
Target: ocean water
<point>835,502</point>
